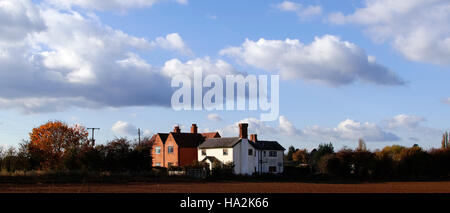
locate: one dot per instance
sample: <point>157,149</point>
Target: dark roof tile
<point>269,145</point>
<point>220,142</point>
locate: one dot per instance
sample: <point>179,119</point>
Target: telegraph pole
<point>93,130</point>
<point>139,133</point>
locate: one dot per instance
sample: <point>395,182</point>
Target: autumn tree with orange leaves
<point>53,142</point>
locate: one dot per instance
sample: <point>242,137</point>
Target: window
<point>272,169</point>
<point>170,149</point>
<point>169,164</point>
<point>250,152</point>
<point>157,150</point>
<point>264,153</point>
<point>157,164</point>
<point>225,151</point>
<point>203,152</point>
<point>273,153</point>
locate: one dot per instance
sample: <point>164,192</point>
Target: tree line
<point>56,146</point>
<point>390,162</point>
<point>59,147</point>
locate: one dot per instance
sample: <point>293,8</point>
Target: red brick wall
<point>158,158</point>
<point>173,157</point>
<point>187,156</point>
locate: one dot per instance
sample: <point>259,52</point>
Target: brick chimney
<point>194,128</point>
<point>254,137</point>
<point>177,129</point>
<point>243,130</point>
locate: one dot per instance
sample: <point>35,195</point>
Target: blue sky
<point>377,70</point>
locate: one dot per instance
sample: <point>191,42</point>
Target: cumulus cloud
<point>254,126</point>
<point>98,67</point>
<point>214,117</point>
<point>18,18</point>
<point>412,124</point>
<point>174,42</point>
<point>327,60</point>
<point>148,132</point>
<point>304,12</point>
<point>124,128</point>
<point>417,28</point>
<point>347,130</point>
<point>116,5</point>
<point>60,59</point>
<point>206,65</point>
<point>405,121</point>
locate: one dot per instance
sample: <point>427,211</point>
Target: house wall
<point>247,163</point>
<point>237,158</point>
<point>187,156</point>
<point>158,158</point>
<point>243,163</point>
<point>268,161</point>
<point>217,153</point>
<point>172,157</point>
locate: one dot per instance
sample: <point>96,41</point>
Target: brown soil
<point>232,187</point>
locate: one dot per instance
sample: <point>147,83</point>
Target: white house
<point>248,156</point>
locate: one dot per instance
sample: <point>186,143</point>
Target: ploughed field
<point>230,187</point>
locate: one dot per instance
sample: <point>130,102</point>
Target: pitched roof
<point>269,145</point>
<point>187,139</point>
<point>163,136</point>
<point>211,135</point>
<point>220,142</point>
<point>211,159</point>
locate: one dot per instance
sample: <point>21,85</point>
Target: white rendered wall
<point>217,153</point>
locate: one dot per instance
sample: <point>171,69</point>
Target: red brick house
<point>178,148</point>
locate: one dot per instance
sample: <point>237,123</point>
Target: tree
<point>362,145</point>
<point>413,162</point>
<point>116,154</point>
<point>300,156</point>
<point>54,141</point>
<point>323,149</point>
<point>291,151</point>
<point>392,152</point>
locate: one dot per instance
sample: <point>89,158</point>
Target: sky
<point>372,69</point>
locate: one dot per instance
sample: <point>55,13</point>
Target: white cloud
<point>416,28</point>
<point>124,128</point>
<point>412,125</point>
<point>18,18</point>
<point>46,104</point>
<point>287,127</point>
<point>206,65</point>
<point>75,61</point>
<point>304,12</point>
<point>352,130</point>
<point>148,132</point>
<point>173,42</point>
<point>348,130</point>
<point>185,2</point>
<point>327,60</point>
<point>254,126</point>
<point>214,117</point>
<point>116,5</point>
<point>405,121</point>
